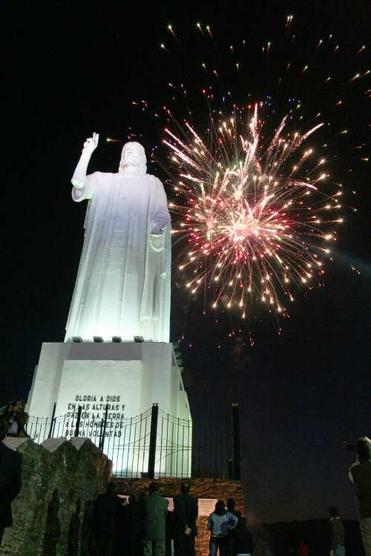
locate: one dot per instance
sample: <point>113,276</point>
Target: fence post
<point>103,429</point>
<point>52,421</point>
<point>79,409</point>
<point>152,441</point>
<point>101,434</point>
<point>236,442</point>
<point>230,468</point>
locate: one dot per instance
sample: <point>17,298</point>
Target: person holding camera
<point>360,475</point>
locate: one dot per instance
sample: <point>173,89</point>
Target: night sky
<point>70,69</point>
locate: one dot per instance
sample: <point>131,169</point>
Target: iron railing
<point>154,443</point>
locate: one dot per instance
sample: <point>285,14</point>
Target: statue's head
<point>133,159</point>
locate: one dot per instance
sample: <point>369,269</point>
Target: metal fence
<point>154,443</point>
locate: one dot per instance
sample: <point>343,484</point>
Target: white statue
<point>123,282</point>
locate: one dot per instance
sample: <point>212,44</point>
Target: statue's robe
<point>123,282</point>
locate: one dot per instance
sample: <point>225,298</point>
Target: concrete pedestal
<point>129,377</point>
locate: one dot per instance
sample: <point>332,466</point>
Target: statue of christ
<point>123,282</point>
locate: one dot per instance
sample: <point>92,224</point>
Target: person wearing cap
<point>360,475</point>
<point>185,517</point>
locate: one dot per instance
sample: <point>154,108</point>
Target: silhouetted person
<point>231,508</point>
<point>170,533</point>
<point>262,543</point>
<point>10,480</point>
<point>142,496</point>
<point>220,522</point>
<point>360,475</point>
<point>106,508</point>
<point>243,545</point>
<point>134,518</point>
<point>17,418</point>
<point>185,518</point>
<point>303,549</point>
<point>154,522</point>
<point>336,533</point>
<point>121,539</point>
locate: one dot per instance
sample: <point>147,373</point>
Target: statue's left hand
<point>157,242</point>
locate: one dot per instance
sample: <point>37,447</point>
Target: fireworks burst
<point>255,215</point>
<point>255,209</point>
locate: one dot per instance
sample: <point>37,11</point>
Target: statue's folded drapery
<point>123,283</point>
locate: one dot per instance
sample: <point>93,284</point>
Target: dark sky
<point>72,68</point>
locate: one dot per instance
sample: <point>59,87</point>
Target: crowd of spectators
<point>145,526</point>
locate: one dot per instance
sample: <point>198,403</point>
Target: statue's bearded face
<point>133,154</point>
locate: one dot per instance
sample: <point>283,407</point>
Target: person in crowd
<point>243,545</point>
<point>220,522</point>
<point>134,526</point>
<point>360,475</point>
<point>17,418</point>
<point>231,508</point>
<point>105,512</point>
<point>169,548</point>
<point>141,496</point>
<point>303,549</point>
<point>154,522</point>
<point>10,479</point>
<point>262,543</point>
<point>337,545</point>
<point>121,544</point>
<point>185,517</point>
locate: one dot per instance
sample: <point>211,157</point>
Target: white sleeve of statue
<point>85,193</point>
<point>160,217</point>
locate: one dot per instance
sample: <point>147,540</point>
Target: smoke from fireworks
<point>254,213</point>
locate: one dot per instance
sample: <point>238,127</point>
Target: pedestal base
<point>129,376</point>
<point>115,385</point>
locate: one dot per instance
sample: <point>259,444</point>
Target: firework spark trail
<point>250,217</point>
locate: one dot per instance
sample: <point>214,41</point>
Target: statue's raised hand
<point>91,143</point>
<point>79,176</point>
